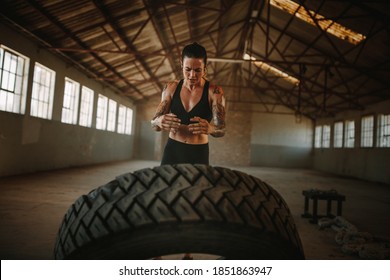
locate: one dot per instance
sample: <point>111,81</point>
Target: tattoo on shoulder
<point>217,90</point>
<point>169,87</point>
<point>161,109</point>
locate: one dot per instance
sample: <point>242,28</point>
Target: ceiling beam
<point>113,23</point>
<point>156,21</point>
<point>71,35</point>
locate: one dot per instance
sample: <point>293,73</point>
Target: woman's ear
<point>181,64</point>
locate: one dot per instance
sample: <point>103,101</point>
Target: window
<point>13,81</point>
<point>42,92</point>
<point>367,133</point>
<point>125,120</point>
<point>86,107</point>
<point>129,121</point>
<point>318,137</point>
<point>71,102</point>
<point>338,135</point>
<point>349,138</point>
<point>111,121</point>
<point>101,113</point>
<point>326,136</point>
<point>121,119</point>
<point>384,131</point>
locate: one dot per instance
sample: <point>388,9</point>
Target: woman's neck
<point>193,87</point>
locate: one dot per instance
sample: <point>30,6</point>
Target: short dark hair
<point>194,50</point>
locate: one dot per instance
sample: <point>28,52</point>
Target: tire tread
<point>175,195</point>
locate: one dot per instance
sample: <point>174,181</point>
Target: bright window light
<point>121,119</point>
<point>338,135</point>
<point>349,138</point>
<point>125,120</point>
<point>129,121</point>
<point>101,113</point>
<point>326,136</point>
<point>326,24</point>
<point>384,130</point>
<point>111,121</point>
<point>318,136</point>
<point>86,107</point>
<point>367,131</point>
<point>13,81</point>
<point>71,102</point>
<point>267,67</point>
<point>42,92</point>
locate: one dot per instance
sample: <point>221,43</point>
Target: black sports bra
<point>201,109</point>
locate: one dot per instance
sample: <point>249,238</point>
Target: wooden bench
<point>317,195</point>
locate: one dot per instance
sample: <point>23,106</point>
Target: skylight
<point>326,24</point>
<point>274,70</point>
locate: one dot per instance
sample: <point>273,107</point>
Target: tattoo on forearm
<point>219,115</point>
<point>219,120</point>
<point>218,109</point>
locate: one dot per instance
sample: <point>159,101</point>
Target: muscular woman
<point>190,109</point>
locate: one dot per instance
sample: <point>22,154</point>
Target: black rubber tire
<point>174,209</point>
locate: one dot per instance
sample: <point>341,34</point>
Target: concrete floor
<point>32,206</point>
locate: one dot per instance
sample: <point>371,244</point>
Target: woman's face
<point>193,70</point>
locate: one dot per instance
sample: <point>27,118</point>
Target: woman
<point>190,109</point>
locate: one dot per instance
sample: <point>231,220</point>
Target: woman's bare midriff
<point>185,136</point>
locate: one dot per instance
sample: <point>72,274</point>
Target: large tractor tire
<point>175,209</point>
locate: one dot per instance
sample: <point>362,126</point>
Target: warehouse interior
<point>307,103</point>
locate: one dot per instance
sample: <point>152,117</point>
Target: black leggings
<point>177,152</point>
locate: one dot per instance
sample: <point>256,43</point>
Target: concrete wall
<point>30,144</point>
<point>279,141</point>
<point>366,163</point>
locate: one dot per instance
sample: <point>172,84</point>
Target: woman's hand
<point>201,126</point>
<point>168,122</point>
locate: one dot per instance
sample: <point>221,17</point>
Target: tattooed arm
<point>218,107</point>
<point>216,127</point>
<point>163,120</point>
